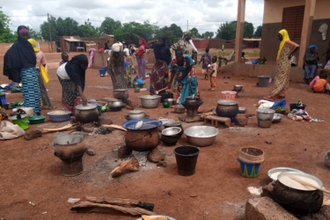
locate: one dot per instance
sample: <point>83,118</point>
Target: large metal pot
<point>86,113</point>
<point>296,198</point>
<point>136,114</point>
<point>227,108</point>
<point>69,146</point>
<point>150,101</point>
<point>265,114</point>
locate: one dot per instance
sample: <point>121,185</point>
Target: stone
<point>32,134</point>
<point>267,190</point>
<point>322,214</point>
<point>155,155</point>
<point>264,208</point>
<point>124,152</point>
<point>241,120</point>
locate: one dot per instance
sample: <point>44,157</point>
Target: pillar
<point>306,29</point>
<point>239,29</point>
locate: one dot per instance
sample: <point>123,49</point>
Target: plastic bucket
<point>228,95</point>
<point>102,71</point>
<point>249,170</point>
<point>263,81</point>
<point>186,159</point>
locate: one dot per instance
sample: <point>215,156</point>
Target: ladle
<point>158,91</point>
<point>139,124</point>
<point>308,184</point>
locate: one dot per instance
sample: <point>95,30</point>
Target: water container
<point>263,81</point>
<point>102,71</point>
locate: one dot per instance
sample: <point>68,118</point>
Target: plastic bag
<point>281,103</point>
<point>44,74</point>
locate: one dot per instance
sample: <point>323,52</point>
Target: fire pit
<point>191,104</point>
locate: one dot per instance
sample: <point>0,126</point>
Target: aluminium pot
<point>86,113</point>
<point>297,200</point>
<point>136,114</point>
<point>174,124</point>
<point>227,108</point>
<point>150,101</point>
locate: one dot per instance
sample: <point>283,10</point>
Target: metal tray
<point>279,170</point>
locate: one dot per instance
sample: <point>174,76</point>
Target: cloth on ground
<point>265,104</point>
<point>10,131</point>
<point>300,115</point>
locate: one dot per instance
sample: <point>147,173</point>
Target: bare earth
<point>31,173</point>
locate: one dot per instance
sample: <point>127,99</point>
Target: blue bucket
<point>249,170</point>
<point>102,71</point>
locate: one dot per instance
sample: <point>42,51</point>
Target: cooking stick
<point>308,184</point>
<point>115,127</point>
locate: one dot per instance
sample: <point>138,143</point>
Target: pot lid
<point>136,112</point>
<point>146,125</point>
<point>227,102</point>
<point>149,97</point>
<point>287,179</point>
<point>86,107</point>
<point>276,171</point>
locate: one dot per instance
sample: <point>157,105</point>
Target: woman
<point>183,69</point>
<point>159,74</point>
<point>283,62</point>
<point>72,76</point>
<point>140,58</point>
<point>310,63</point>
<point>41,60</point>
<point>186,44</point>
<point>20,65</point>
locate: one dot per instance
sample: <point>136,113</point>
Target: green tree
<point>87,30</point>
<point>207,35</point>
<point>227,30</point>
<point>258,31</point>
<point>194,33</point>
<point>172,33</point>
<point>248,29</point>
<point>6,36</point>
<point>108,26</point>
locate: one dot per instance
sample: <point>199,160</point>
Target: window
<point>292,21</point>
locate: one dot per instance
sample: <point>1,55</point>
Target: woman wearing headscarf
<point>20,65</point>
<point>310,63</point>
<point>159,74</point>
<point>183,70</point>
<point>140,58</point>
<point>72,76</point>
<point>186,44</point>
<point>283,61</point>
<point>41,63</point>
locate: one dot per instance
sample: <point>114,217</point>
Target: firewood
<point>128,165</point>
<point>86,206</point>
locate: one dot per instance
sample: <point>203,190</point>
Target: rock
<point>161,163</point>
<point>124,152</point>
<point>155,155</point>
<point>323,214</point>
<point>105,121</point>
<point>267,190</point>
<point>32,134</point>
<point>264,208</point>
<point>91,152</point>
<point>241,120</point>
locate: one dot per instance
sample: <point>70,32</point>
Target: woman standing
<point>72,76</point>
<point>183,69</point>
<point>283,62</point>
<point>20,65</point>
<point>186,44</point>
<point>140,58</point>
<point>41,63</point>
<point>159,74</point>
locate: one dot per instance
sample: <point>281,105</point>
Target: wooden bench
<point>216,120</point>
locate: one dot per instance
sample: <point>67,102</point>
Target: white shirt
<point>61,72</point>
<point>126,51</point>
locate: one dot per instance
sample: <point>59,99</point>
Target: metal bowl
<point>136,114</point>
<point>179,109</point>
<point>171,131</point>
<point>116,103</point>
<point>238,88</point>
<point>265,114</point>
<point>170,101</point>
<point>242,109</point>
<point>201,136</point>
<point>150,101</point>
<point>277,117</point>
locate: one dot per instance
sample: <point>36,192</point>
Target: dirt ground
<point>31,173</point>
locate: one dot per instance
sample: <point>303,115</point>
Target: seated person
<point>310,63</point>
<point>320,83</point>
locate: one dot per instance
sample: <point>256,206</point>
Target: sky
<point>205,15</point>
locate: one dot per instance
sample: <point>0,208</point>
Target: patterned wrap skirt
<point>31,89</point>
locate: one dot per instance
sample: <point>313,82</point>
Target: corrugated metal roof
<point>72,40</point>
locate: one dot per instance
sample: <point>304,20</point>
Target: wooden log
<point>128,165</point>
<point>122,202</point>
<point>115,127</point>
<point>86,206</point>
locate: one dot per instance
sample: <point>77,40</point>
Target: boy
<point>213,74</point>
<point>206,59</point>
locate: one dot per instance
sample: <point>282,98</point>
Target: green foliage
<point>248,29</point>
<point>207,35</point>
<point>227,30</point>
<point>109,26</point>
<point>258,31</point>
<point>172,33</point>
<point>194,33</point>
<point>5,34</point>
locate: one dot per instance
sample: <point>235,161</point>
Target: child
<point>206,59</point>
<point>65,58</point>
<point>213,74</point>
<point>319,83</point>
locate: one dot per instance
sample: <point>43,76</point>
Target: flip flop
<point>268,99</point>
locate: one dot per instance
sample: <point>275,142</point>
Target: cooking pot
<point>265,114</point>
<point>143,139</point>
<point>164,121</point>
<point>227,108</point>
<point>121,94</point>
<point>136,114</point>
<point>149,101</point>
<point>115,105</point>
<point>296,198</point>
<point>174,124</point>
<point>69,146</point>
<point>86,113</point>
<point>165,95</point>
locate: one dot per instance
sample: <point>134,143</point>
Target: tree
<point>258,32</point>
<point>108,26</point>
<point>87,30</point>
<point>248,29</point>
<point>207,35</point>
<point>227,30</point>
<point>172,33</point>
<point>194,33</point>
<point>6,36</point>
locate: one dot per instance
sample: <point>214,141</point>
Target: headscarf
<point>74,70</point>
<point>19,55</point>
<point>34,44</point>
<point>185,34</point>
<point>286,37</point>
<point>144,42</point>
<point>162,52</point>
<point>117,47</point>
<point>312,46</point>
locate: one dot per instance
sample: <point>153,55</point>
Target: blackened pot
<point>227,108</point>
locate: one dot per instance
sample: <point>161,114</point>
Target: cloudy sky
<point>205,15</point>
